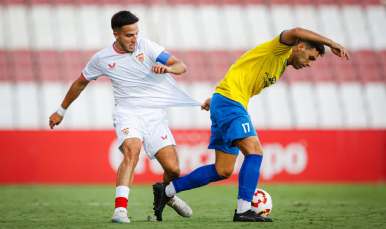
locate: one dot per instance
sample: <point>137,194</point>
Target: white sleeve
<point>93,69</point>
<point>153,49</point>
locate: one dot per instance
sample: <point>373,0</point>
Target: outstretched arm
<point>173,65</point>
<point>76,88</point>
<point>292,35</point>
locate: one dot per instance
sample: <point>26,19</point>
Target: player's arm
<point>292,35</point>
<point>76,88</point>
<point>169,64</point>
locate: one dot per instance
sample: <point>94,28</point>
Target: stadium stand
<point>303,105</point>
<point>346,71</point>
<point>306,11</point>
<point>355,26</point>
<point>368,66</point>
<point>210,22</point>
<point>376,20</point>
<point>329,105</point>
<point>279,113</point>
<point>354,109</point>
<point>65,32</point>
<point>259,29</point>
<point>44,45</point>
<point>233,18</point>
<point>382,63</point>
<point>257,111</point>
<point>70,65</point>
<point>218,63</point>
<point>188,37</point>
<point>6,113</point>
<point>195,62</point>
<point>375,97</point>
<point>321,70</point>
<point>330,20</point>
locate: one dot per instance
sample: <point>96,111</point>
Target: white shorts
<point>150,125</point>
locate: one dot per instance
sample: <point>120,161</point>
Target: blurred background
<point>321,124</point>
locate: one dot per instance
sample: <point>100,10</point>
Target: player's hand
<point>55,119</point>
<point>338,50</point>
<point>160,69</point>
<point>205,106</point>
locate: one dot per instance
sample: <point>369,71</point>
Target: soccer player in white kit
<point>138,70</point>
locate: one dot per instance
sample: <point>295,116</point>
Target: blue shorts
<point>230,121</point>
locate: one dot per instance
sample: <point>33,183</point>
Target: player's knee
<point>173,172</point>
<point>225,174</point>
<point>254,148</point>
<point>259,151</point>
<point>131,156</point>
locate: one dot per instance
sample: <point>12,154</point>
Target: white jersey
<point>134,84</point>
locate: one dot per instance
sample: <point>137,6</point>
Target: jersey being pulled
<point>257,69</point>
<point>134,84</point>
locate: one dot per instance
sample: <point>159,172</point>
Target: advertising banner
<point>289,156</point>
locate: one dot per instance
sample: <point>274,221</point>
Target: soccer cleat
<point>180,207</point>
<point>120,217</point>
<point>250,216</point>
<point>160,199</point>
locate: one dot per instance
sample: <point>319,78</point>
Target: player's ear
<point>116,33</point>
<point>301,47</point>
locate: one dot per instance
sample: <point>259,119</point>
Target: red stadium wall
<point>290,156</point>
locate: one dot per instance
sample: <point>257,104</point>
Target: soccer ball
<point>261,202</point>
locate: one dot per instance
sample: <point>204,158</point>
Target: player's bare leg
<point>225,164</point>
<point>168,159</point>
<point>249,145</point>
<point>125,174</point>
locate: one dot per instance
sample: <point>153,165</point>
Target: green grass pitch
<point>294,206</point>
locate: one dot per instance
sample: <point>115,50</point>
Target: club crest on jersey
<point>140,57</point>
<point>125,131</point>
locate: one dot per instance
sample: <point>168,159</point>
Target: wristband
<point>61,111</point>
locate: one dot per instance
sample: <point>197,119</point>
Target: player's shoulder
<point>145,43</point>
<point>103,52</point>
<point>106,53</point>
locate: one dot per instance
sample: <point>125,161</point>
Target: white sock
<point>170,190</point>
<point>243,206</point>
<point>122,191</point>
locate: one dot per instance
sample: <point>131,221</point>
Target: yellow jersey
<point>257,69</point>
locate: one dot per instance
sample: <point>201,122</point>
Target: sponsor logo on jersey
<point>125,131</point>
<point>140,57</point>
<point>164,138</point>
<point>112,66</point>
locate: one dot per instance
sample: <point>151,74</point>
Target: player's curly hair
<point>310,45</point>
<point>123,18</point>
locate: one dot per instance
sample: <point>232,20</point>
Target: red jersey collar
<point>116,50</point>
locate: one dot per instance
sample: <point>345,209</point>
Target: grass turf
<point>294,206</point>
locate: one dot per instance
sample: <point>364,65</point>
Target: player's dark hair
<point>310,45</point>
<point>123,18</point>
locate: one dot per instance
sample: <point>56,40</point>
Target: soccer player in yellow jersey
<point>232,130</point>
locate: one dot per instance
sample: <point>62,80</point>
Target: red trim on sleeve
<point>84,77</point>
<point>116,50</point>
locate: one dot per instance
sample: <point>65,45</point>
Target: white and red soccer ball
<point>261,203</point>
